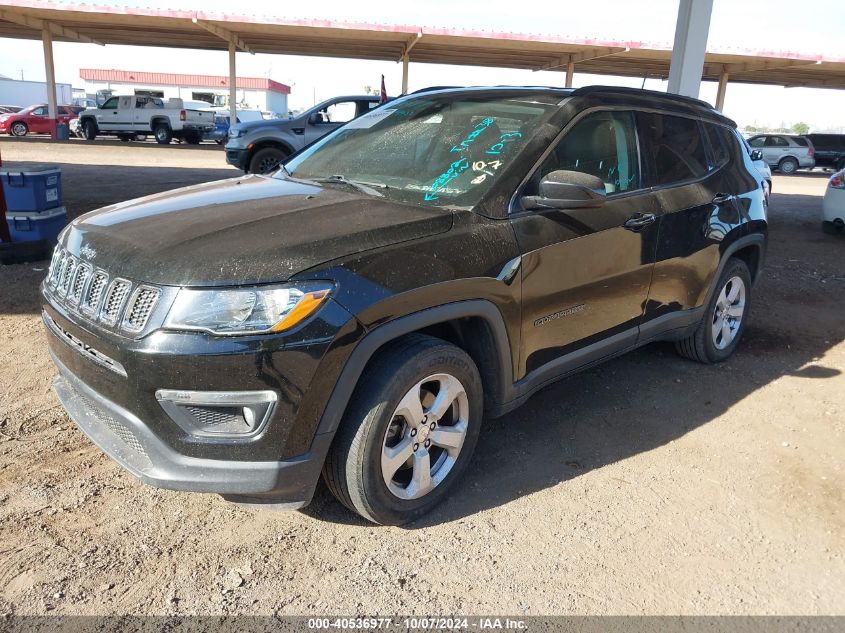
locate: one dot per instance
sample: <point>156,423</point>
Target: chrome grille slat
<point>140,307</point>
<point>115,299</point>
<point>112,301</point>
<point>76,288</point>
<point>91,303</point>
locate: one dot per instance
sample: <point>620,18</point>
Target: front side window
<point>602,144</point>
<point>675,147</point>
<point>439,149</point>
<point>110,104</point>
<point>341,112</point>
<point>42,111</point>
<point>758,141</point>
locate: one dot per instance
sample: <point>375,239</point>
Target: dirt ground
<point>650,485</point>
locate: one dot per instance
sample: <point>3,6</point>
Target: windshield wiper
<point>363,186</point>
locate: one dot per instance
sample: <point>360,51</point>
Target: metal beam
<point>570,74</point>
<point>691,30</point>
<point>574,58</point>
<point>40,25</point>
<point>223,34</point>
<point>742,68</point>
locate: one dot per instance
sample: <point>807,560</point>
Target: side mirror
<point>315,118</point>
<point>756,154</point>
<point>564,189</point>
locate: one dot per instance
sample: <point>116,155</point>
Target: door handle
<point>639,221</point>
<point>722,198</point>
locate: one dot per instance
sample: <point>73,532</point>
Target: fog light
<point>218,414</point>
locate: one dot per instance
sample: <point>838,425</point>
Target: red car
<point>33,120</point>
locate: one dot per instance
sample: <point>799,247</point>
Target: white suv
<point>785,153</point>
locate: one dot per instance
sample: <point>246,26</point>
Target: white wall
<point>264,100</point>
<point>27,93</point>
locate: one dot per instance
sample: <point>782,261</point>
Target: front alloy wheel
<point>409,431</point>
<point>425,436</point>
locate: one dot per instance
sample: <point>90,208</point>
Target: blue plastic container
<point>26,226</point>
<point>32,188</point>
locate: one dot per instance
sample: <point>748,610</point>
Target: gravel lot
<point>650,485</point>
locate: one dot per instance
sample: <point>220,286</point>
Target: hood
<point>270,124</point>
<point>252,229</point>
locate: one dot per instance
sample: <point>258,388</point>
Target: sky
<point>810,26</point>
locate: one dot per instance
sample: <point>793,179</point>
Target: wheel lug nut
<point>433,424</point>
<point>427,443</point>
<point>413,432</point>
<point>416,446</point>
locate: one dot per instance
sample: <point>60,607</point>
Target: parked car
<point>220,133</point>
<point>128,116</point>
<point>833,204</point>
<point>259,147</point>
<point>33,120</point>
<point>829,150</point>
<point>785,153</point>
<point>10,109</point>
<point>428,264</point>
<point>762,167</point>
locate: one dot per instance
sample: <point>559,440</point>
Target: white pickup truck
<point>129,116</point>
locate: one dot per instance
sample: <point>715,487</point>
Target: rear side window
<point>776,141</point>
<point>719,144</point>
<point>800,140</point>
<point>675,147</point>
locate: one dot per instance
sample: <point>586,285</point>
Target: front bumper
<point>238,157</point>
<point>129,442</point>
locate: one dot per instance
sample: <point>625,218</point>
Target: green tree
<point>750,129</point>
<point>800,128</point>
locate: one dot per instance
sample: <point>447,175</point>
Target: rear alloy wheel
<point>721,327</point>
<point>163,134</point>
<point>19,128</point>
<point>409,431</point>
<point>788,166</point>
<point>266,160</point>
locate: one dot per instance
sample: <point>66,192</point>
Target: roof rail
<point>642,91</point>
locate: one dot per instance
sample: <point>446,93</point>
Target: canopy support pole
<point>406,58</point>
<point>570,73</point>
<point>52,109</point>
<point>233,88</point>
<point>691,32</point>
<point>723,87</point>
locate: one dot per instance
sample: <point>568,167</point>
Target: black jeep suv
<point>435,261</point>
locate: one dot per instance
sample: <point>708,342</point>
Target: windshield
<point>440,149</point>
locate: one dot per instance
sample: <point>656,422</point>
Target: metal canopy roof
<point>270,34</point>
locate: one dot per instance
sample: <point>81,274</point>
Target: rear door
<point>586,272</point>
<point>689,166</point>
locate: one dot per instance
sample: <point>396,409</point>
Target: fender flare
<point>380,336</point>
<point>755,239</point>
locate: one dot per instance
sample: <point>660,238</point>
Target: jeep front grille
<point>98,296</point>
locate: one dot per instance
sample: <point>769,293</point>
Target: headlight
<point>235,132</point>
<point>258,310</point>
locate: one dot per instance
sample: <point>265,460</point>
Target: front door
<point>586,272</point>
<point>329,118</point>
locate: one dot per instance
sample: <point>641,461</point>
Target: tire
<point>709,343</point>
<point>89,130</point>
<point>163,134</point>
<point>788,166</point>
<point>19,128</point>
<point>832,228</point>
<point>357,468</point>
<point>266,160</point>
<point>192,138</point>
